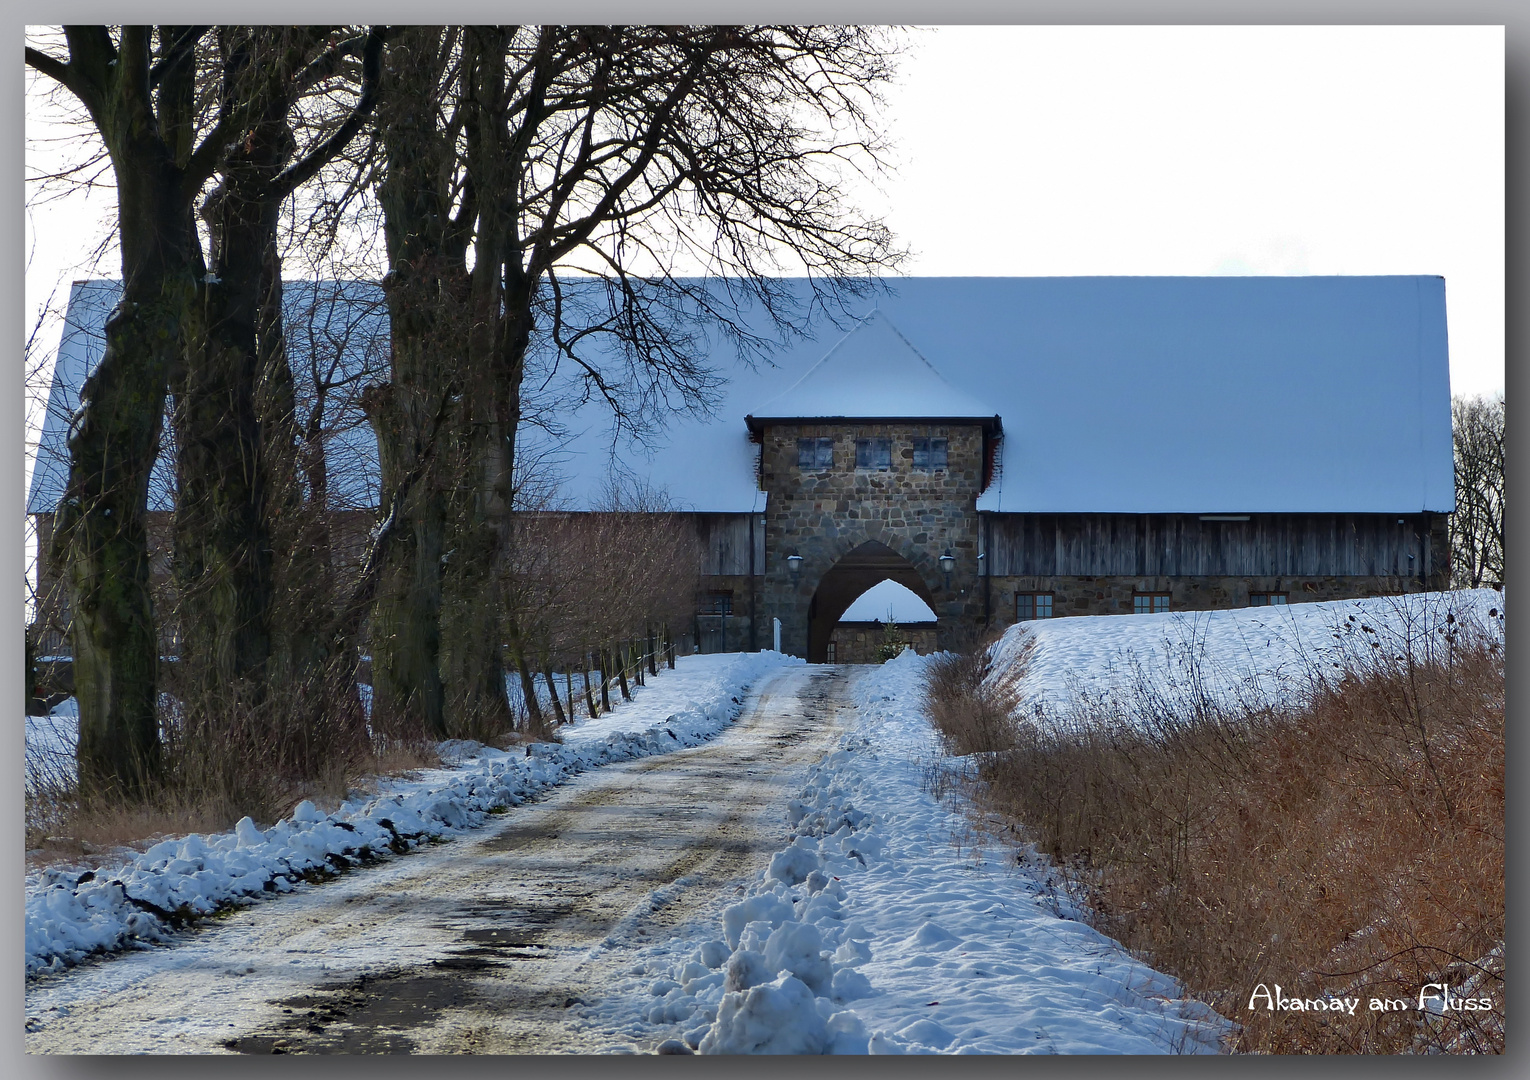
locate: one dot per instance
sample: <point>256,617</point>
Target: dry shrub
<point>1353,847</point>
<point>970,703</point>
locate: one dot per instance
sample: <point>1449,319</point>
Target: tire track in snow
<point>498,943</point>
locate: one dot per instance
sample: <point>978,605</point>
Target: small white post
<point>778,633</point>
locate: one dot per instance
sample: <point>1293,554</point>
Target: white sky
<point>1044,150</point>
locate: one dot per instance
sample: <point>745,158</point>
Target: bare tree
<point>581,584</point>
<point>209,329</point>
<point>589,171</point>
<point>138,87</point>
<point>239,494</point>
<point>1477,527</point>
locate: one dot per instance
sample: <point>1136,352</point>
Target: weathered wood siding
<point>725,540</point>
<point>1144,545</point>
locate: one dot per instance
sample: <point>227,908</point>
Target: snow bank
<point>873,931</point>
<point>72,913</point>
<point>1240,657</point>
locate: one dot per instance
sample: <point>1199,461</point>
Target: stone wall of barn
<point>1075,595</point>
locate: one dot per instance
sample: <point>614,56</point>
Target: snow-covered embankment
<point>1243,657</point>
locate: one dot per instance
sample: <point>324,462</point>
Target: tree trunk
<point>425,291</point>
<point>552,690</point>
<point>484,426</point>
<point>223,548</point>
<point>100,538</point>
<point>535,724</point>
<point>621,673</point>
<point>405,630</point>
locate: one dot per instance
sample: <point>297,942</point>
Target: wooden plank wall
<point>724,542</point>
<point>1172,545</point>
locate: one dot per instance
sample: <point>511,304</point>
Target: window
<point>830,657</point>
<point>717,603</point>
<point>1265,599</point>
<point>1037,605</point>
<point>815,454</point>
<point>873,454</point>
<point>930,453</point>
<point>1149,603</point>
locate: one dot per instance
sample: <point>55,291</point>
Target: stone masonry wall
<point>859,642</point>
<point>1113,595</point>
<point>823,516</point>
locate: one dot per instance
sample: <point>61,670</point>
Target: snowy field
<point>881,929</point>
<point>1244,656</point>
<point>132,899</point>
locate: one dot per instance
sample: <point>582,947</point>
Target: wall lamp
<point>794,564</point>
<point>947,563</point>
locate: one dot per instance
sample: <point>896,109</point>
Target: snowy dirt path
<point>506,941</point>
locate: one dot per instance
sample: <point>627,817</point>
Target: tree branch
<point>371,71</point>
<point>57,70</point>
<point>178,53</point>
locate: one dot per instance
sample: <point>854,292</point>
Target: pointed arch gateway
<point>856,571</point>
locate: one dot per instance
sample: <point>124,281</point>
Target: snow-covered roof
<point>873,372</point>
<point>1116,394</point>
<point>337,341</point>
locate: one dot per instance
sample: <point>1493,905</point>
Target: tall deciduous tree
<point>236,427</point>
<point>605,191</point>
<point>1477,527</point>
<point>138,87</point>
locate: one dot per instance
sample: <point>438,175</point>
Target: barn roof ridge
<point>873,372</point>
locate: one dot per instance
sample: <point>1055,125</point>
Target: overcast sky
<point>1153,150</point>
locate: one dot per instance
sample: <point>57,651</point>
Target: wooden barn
<point>1004,448</point>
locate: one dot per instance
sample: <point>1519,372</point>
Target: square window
<point>930,453</point>
<point>815,454</point>
<point>1033,606</point>
<point>873,454</point>
<point>717,603</point>
<point>1149,603</point>
<point>1265,599</point>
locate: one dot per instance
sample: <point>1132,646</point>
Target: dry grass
<point>208,787</point>
<point>1353,847</point>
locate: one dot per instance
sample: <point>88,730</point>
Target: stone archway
<point>852,574</point>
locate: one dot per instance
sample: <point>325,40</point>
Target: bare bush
<point>1352,846</point>
<point>587,590</point>
<point>970,704</point>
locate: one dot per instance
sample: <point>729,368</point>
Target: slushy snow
<point>132,901</point>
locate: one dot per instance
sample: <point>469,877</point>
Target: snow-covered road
<point>507,940</point>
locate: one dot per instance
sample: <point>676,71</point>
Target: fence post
<point>621,672</point>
